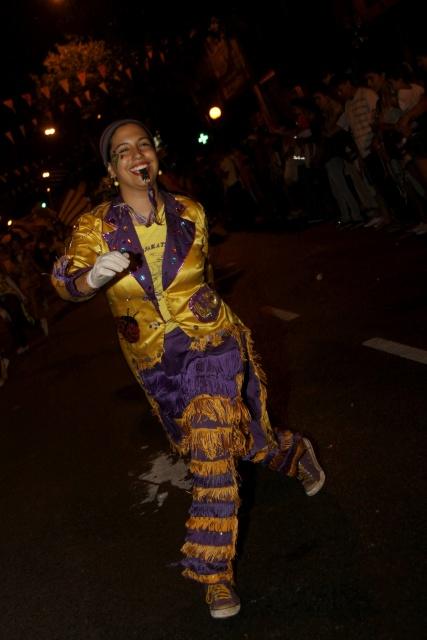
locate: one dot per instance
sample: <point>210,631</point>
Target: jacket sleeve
<point>85,246</point>
<point>209,272</point>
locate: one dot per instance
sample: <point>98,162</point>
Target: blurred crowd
<point>352,149</point>
<point>27,254</point>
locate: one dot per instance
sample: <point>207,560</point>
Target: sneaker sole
<point>319,484</point>
<point>225,613</point>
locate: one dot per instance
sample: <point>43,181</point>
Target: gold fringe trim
<point>261,375</point>
<point>210,579</point>
<point>260,455</point>
<point>217,337</point>
<point>230,437</point>
<point>243,337</point>
<point>254,356</point>
<point>300,450</point>
<point>219,441</point>
<point>220,409</point>
<point>206,468</point>
<point>223,525</point>
<point>239,381</point>
<point>216,494</point>
<point>208,552</point>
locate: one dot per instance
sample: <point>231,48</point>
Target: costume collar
<point>123,237</point>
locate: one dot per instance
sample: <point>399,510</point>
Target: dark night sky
<point>292,34</point>
<point>295,35</point>
<point>274,29</point>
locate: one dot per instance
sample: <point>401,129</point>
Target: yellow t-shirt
<point>153,241</point>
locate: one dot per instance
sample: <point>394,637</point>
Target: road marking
<point>397,349</point>
<point>280,313</point>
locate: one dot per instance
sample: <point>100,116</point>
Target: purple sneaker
<point>223,601</point>
<point>310,473</point>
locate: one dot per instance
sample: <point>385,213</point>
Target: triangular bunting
<point>22,129</point>
<point>45,91</point>
<point>65,84</point>
<point>9,136</point>
<point>82,77</point>
<point>102,70</point>
<point>87,95</point>
<point>9,103</point>
<point>103,86</point>
<point>62,107</point>
<point>128,72</point>
<point>28,98</point>
<point>77,101</point>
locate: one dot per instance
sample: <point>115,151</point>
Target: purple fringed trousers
<point>210,402</point>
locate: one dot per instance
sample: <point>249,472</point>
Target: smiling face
<point>132,149</point>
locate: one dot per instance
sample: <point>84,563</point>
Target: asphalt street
<point>93,505</point>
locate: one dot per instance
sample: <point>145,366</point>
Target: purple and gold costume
<point>202,379</point>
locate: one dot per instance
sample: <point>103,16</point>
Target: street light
<point>46,174</point>
<point>50,131</point>
<point>9,223</point>
<point>203,138</point>
<point>215,113</point>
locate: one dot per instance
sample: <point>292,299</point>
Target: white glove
<point>106,267</point>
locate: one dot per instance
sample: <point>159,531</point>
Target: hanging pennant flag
<point>82,77</point>
<point>119,66</point>
<point>65,84</point>
<point>45,91</point>
<point>62,107</point>
<point>77,101</point>
<point>17,172</point>
<point>87,95</point>
<point>9,136</point>
<point>9,103</point>
<point>128,72</point>
<point>35,122</point>
<point>22,129</point>
<point>103,86</point>
<point>28,98</point>
<point>26,168</point>
<point>102,70</point>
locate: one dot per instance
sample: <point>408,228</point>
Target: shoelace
<point>218,591</point>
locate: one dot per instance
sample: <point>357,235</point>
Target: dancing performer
<point>193,357</point>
